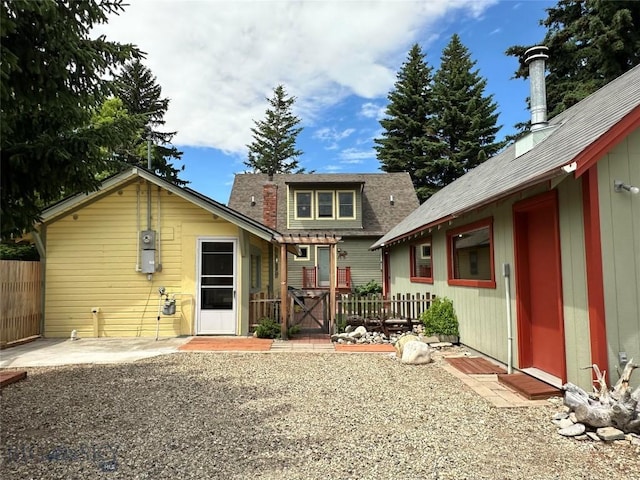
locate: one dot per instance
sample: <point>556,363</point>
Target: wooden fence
<point>406,307</point>
<point>20,300</point>
<point>399,307</point>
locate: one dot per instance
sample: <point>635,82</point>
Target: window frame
<point>414,248</point>
<point>300,258</point>
<point>295,206</point>
<point>255,283</point>
<point>352,193</point>
<point>333,205</point>
<point>466,282</point>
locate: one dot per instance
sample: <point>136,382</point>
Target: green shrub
<point>19,251</point>
<point>268,329</point>
<point>440,318</point>
<point>370,288</point>
<point>293,330</point>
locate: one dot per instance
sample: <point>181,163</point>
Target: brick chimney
<point>270,205</point>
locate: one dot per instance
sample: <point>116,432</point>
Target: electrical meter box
<point>148,261</point>
<point>148,239</point>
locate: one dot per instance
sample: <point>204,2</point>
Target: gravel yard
<point>282,416</point>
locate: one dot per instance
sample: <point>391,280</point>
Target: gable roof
<point>378,215</point>
<point>581,134</point>
<point>75,202</point>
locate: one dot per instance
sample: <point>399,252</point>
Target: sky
<point>219,60</point>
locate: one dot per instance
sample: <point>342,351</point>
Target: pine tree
<point>53,80</point>
<point>273,149</point>
<point>403,144</point>
<point>591,42</point>
<point>141,95</point>
<point>465,120</point>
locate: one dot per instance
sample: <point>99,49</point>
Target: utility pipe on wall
<point>506,272</point>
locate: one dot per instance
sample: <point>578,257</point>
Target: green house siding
<point>620,233</point>
<point>365,264</point>
<point>482,311</point>
<point>574,284</point>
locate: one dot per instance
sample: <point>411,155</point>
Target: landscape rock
<point>563,423</point>
<point>416,353</point>
<point>573,431</point>
<point>404,340</point>
<point>609,434</point>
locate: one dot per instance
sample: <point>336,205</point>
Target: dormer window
<point>303,204</point>
<point>346,200</point>
<point>325,204</point>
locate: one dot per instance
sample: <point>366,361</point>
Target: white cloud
<point>354,155</point>
<point>218,60</point>
<point>331,136</point>
<point>373,110</point>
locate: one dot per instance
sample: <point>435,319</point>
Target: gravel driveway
<point>282,416</point>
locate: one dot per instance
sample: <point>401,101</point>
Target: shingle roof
<point>378,215</point>
<point>72,203</point>
<point>576,129</point>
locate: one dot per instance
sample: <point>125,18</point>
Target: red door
<point>539,285</point>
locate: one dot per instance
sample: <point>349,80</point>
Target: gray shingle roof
<point>378,215</point>
<point>575,130</point>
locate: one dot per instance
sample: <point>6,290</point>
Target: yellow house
<point>119,260</point>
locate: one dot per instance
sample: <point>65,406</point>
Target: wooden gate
<point>309,310</point>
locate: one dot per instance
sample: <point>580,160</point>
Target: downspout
<point>148,185</point>
<point>506,271</point>
<point>138,228</point>
<point>159,240</point>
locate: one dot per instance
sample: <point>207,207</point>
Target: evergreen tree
<point>142,95</point>
<point>407,123</point>
<point>591,42</point>
<point>273,149</point>
<point>465,120</point>
<point>53,80</point>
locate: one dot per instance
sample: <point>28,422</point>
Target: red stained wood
<point>225,344</point>
<point>474,365</point>
<point>7,378</point>
<point>529,387</point>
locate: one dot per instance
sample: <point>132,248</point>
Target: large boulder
<point>416,353</point>
<point>402,341</point>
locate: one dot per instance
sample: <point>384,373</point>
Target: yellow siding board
<point>91,262</point>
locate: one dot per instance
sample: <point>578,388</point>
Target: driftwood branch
<point>617,407</point>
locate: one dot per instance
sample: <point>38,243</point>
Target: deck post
<point>284,304</point>
<point>332,288</point>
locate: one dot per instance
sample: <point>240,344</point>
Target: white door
<point>216,307</point>
<point>323,262</point>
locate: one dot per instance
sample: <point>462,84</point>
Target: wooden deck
<point>529,387</point>
<point>475,365</point>
<point>7,378</point>
<point>227,344</point>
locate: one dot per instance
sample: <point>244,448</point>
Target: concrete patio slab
<point>54,352</point>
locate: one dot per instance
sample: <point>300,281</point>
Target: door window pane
<point>216,298</point>
<point>217,264</point>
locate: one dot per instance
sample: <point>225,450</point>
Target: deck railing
<point>310,278</point>
<point>402,306</point>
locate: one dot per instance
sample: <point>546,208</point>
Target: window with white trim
<point>325,204</point>
<point>303,204</point>
<point>346,202</point>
